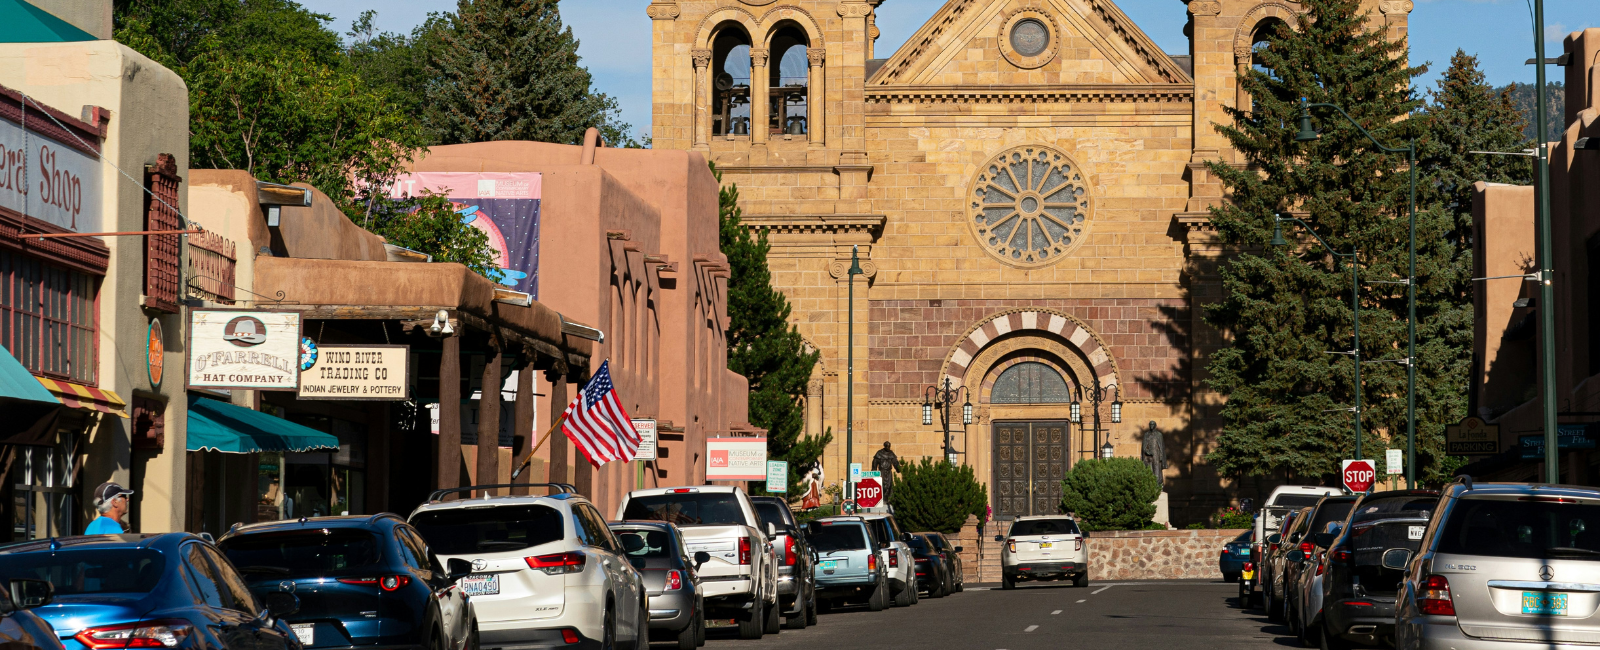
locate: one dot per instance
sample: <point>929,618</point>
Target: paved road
<point>1186,615</point>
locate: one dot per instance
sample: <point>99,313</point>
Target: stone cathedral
<point>1024,182</point>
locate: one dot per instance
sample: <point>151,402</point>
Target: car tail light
<point>1305,547</point>
<point>387,583</point>
<point>677,491</point>
<point>788,550</point>
<point>558,563</point>
<point>894,558</point>
<point>1249,566</point>
<point>744,550</point>
<point>1434,597</point>
<point>872,563</point>
<point>1077,544</point>
<point>674,580</point>
<point>569,636</point>
<point>1011,545</point>
<point>1342,555</point>
<point>148,634</point>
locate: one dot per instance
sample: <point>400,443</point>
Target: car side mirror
<point>958,549</point>
<point>772,529</point>
<point>701,557</point>
<point>1274,538</point>
<point>28,593</point>
<point>281,603</point>
<point>457,568</point>
<point>999,538</point>
<point>1397,558</point>
<point>632,544</point>
<point>1296,556</point>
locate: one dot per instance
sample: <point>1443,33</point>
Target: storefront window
<point>270,498</point>
<point>47,317</point>
<point>43,496</point>
<point>315,484</point>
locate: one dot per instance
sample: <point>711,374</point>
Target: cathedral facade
<point>1024,186</point>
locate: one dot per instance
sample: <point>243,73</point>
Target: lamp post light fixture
<point>1355,301</point>
<point>1107,451</point>
<point>1307,134</point>
<point>1096,395</point>
<point>850,372</point>
<point>943,398</point>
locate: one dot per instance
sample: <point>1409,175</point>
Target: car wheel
<point>880,597</point>
<point>473,641</point>
<point>700,625</point>
<point>1007,583</point>
<point>753,626</point>
<point>1269,604</point>
<point>609,632</point>
<point>811,609</point>
<point>1081,580</point>
<point>774,618</point>
<point>798,621</point>
<point>688,637</point>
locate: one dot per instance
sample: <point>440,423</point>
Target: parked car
<point>671,580</point>
<point>172,590</point>
<point>20,628</point>
<point>934,574</point>
<point>1502,565</point>
<point>797,581</point>
<point>1046,547</point>
<point>1357,592</point>
<point>1275,564</point>
<point>1270,519</point>
<point>366,580</point>
<point>848,567</point>
<point>952,557</point>
<point>739,584</point>
<point>1234,556</point>
<point>1305,586</point>
<point>545,570</point>
<point>896,557</point>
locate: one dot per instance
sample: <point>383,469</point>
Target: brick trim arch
<point>1039,321</point>
<point>1244,34</point>
<point>709,25</point>
<point>788,13</point>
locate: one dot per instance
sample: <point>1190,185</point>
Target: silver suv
<point>1502,565</point>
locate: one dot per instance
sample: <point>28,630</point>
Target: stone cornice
<point>1006,94</point>
<point>816,223</point>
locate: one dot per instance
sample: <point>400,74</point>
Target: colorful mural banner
<point>504,205</point>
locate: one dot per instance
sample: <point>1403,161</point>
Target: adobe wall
<point>1157,554</point>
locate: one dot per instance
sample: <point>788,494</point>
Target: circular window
<point>1029,206</point>
<point>1029,37</point>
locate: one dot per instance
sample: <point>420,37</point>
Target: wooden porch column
<point>557,377</point>
<point>489,419</point>
<point>522,440</point>
<point>448,459</point>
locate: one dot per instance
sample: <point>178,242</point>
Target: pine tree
<point>1285,308</point>
<point>764,347</point>
<point>508,70</point>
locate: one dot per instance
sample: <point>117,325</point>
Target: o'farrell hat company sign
<point>364,372</point>
<point>250,350</point>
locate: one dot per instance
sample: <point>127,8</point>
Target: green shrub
<point>1233,518</point>
<point>1111,494</point>
<point>1196,526</point>
<point>930,495</point>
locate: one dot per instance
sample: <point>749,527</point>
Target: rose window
<point>1029,206</point>
<point>1029,37</point>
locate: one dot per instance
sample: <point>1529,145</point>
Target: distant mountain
<point>1522,96</point>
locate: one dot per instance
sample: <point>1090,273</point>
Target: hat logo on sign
<point>245,331</point>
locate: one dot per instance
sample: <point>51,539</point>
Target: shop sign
<point>242,349</point>
<point>736,459</point>
<point>60,184</point>
<point>1471,437</point>
<point>154,353</point>
<point>357,372</point>
<point>1568,437</point>
<point>647,439</point>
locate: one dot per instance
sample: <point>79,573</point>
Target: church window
<point>730,83</point>
<point>1029,37</point>
<point>788,82</point>
<point>1029,206</point>
<point>1030,382</point>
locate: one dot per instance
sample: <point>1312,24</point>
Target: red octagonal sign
<point>1358,475</point>
<point>869,493</point>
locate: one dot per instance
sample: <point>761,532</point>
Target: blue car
<point>848,570</point>
<point>366,582</point>
<point>1234,555</point>
<point>172,590</point>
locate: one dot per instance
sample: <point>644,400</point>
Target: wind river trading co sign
<point>250,350</point>
<point>356,372</point>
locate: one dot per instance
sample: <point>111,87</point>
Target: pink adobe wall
<point>1503,214</point>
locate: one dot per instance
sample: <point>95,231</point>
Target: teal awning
<point>21,22</point>
<point>29,410</point>
<point>219,426</point>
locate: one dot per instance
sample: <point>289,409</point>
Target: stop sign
<point>1358,475</point>
<point>869,493</point>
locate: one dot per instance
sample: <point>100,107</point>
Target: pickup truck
<point>739,582</point>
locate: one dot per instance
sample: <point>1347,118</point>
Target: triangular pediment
<point>971,42</point>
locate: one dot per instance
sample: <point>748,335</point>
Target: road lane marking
<point>1083,601</point>
<point>1058,611</point>
<point>1097,591</point>
<point>1031,628</point>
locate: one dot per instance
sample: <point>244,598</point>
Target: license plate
<point>306,632</point>
<point>1249,575</point>
<point>481,585</point>
<point>1046,544</point>
<point>721,622</point>
<point>1414,532</point>
<point>829,565</point>
<point>1543,602</point>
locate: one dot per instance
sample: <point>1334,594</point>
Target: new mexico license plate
<point>305,631</point>
<point>481,585</point>
<point>1543,602</point>
<point>1046,544</point>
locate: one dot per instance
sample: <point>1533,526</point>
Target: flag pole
<point>554,426</point>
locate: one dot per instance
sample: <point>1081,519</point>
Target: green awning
<point>30,411</point>
<point>219,426</point>
<point>21,22</point>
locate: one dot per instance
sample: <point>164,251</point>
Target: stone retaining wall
<point>1156,554</point>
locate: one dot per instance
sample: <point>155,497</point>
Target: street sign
<point>1358,475</point>
<point>777,476</point>
<point>1393,461</point>
<point>736,459</point>
<point>855,472</point>
<point>872,474</point>
<point>1568,436</point>
<point>869,493</point>
<point>1471,437</point>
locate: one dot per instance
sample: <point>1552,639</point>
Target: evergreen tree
<point>764,347</point>
<point>508,70</point>
<point>1285,308</point>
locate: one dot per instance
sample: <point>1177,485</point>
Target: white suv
<point>895,556</point>
<point>546,570</point>
<point>1043,548</point>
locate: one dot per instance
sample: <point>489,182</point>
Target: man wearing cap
<point>112,502</point>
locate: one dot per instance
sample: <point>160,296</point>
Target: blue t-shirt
<point>103,526</point>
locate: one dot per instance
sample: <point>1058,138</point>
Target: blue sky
<point>614,35</point>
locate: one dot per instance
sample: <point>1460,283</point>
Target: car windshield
<point>1408,507</point>
<point>464,531</point>
<point>302,552</point>
<point>918,544</point>
<point>1297,500</point>
<point>771,513</point>
<point>840,536</point>
<point>653,543</point>
<point>687,509</point>
<point>1522,529</point>
<point>1043,527</point>
<point>89,570</point>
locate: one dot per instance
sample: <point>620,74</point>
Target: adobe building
<point>1506,392</point>
<point>1025,182</point>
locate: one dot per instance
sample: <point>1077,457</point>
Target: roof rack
<point>1463,480</point>
<point>565,488</point>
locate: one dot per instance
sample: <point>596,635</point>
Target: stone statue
<point>887,462</point>
<point>1153,451</point>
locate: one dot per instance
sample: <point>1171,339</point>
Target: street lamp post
<point>1097,394</point>
<point>1307,134</point>
<point>850,375</point>
<point>1355,308</point>
<point>943,398</point>
<point>1547,271</point>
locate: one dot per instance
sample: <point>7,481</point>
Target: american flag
<point>597,424</point>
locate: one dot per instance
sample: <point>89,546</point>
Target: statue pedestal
<point>1163,516</point>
